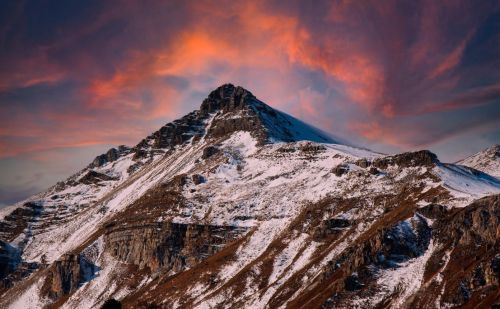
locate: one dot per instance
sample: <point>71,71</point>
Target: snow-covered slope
<point>237,205</point>
<point>487,161</point>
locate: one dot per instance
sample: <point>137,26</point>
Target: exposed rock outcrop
<point>407,159</point>
<point>93,177</point>
<point>209,151</point>
<point>66,275</point>
<point>110,156</point>
<point>340,169</point>
<point>166,246</point>
<point>17,221</point>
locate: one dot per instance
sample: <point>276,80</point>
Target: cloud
<point>398,74</point>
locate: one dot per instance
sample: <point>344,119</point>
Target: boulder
<point>340,169</point>
<point>209,151</point>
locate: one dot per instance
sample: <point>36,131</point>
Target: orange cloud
<point>452,59</point>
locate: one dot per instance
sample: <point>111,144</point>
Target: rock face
<point>226,98</point>
<point>64,276</point>
<point>238,205</point>
<point>166,246</point>
<point>471,273</point>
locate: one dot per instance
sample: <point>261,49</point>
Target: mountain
<point>238,205</point>
<point>487,160</point>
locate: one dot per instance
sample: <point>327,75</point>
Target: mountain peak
<point>226,110</point>
<point>227,98</point>
<point>486,160</point>
<point>239,110</point>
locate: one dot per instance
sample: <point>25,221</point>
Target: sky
<point>79,77</point>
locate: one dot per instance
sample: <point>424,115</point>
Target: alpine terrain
<point>238,205</point>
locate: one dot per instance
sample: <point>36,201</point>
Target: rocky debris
<point>354,270</point>
<point>363,163</point>
<point>373,170</point>
<point>434,211</point>
<point>311,147</point>
<point>197,179</point>
<point>329,227</point>
<point>209,151</point>
<point>407,159</point>
<point>133,168</point>
<point>166,246</point>
<point>93,177</point>
<point>340,170</point>
<point>176,183</point>
<point>110,156</point>
<point>287,149</point>
<point>495,266</point>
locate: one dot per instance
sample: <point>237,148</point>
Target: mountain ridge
<point>215,210</point>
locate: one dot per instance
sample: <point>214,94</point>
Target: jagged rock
<point>340,170</point>
<point>227,98</point>
<point>310,147</point>
<point>110,156</point>
<point>408,239</point>
<point>224,126</point>
<point>93,177</point>
<point>209,151</point>
<point>66,275</point>
<point>177,182</point>
<point>197,179</point>
<point>407,159</point>
<point>12,267</point>
<point>364,163</point>
<point>373,170</point>
<point>433,211</point>
<point>472,232</point>
<point>139,154</point>
<point>15,222</point>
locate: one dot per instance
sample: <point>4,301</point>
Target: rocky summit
<point>239,205</point>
